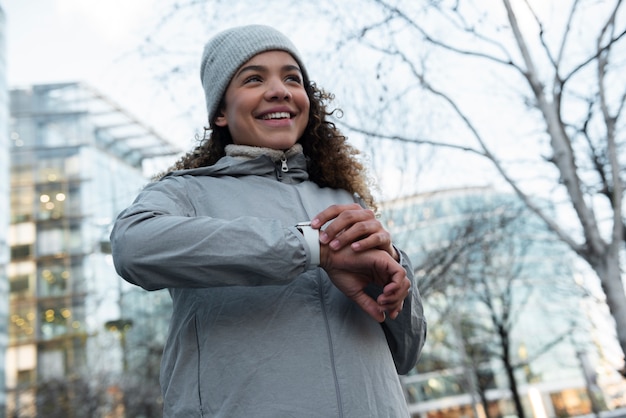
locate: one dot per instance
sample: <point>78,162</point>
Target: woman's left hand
<point>355,226</point>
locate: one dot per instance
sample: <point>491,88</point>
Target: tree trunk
<point>483,400</point>
<point>607,268</point>
<point>510,372</point>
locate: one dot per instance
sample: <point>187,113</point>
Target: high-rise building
<point>77,159</point>
<point>481,257</point>
<point>4,212</point>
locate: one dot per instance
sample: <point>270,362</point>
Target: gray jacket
<point>256,332</point>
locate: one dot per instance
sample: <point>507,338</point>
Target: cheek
<point>305,111</point>
<point>305,105</point>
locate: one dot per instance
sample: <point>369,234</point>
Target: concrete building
<point>77,159</point>
<point>457,237</point>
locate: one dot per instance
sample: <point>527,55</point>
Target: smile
<point>276,115</point>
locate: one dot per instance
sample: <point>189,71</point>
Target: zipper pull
<point>284,167</point>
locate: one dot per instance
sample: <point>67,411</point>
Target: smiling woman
<point>289,296</point>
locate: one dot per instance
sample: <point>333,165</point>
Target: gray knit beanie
<point>229,50</point>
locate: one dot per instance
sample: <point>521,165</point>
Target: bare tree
<point>495,274</point>
<point>560,75</point>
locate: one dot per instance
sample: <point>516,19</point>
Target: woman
<point>271,317</point>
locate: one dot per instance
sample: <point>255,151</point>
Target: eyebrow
<point>262,68</point>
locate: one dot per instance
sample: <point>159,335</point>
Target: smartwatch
<point>312,238</point>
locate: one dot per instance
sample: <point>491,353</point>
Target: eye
<point>253,79</point>
<point>294,78</point>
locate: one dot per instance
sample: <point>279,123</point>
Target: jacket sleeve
<point>159,242</point>
<point>406,334</point>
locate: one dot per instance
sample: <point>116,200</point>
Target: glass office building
<point>555,351</point>
<point>77,159</point>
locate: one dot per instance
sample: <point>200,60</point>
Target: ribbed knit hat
<point>229,50</point>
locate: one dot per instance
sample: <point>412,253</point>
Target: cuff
<point>312,238</point>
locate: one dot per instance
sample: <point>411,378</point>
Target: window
<point>21,279</point>
<point>53,278</point>
<point>22,323</point>
<point>21,251</point>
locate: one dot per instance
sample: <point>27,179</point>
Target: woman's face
<point>265,103</point>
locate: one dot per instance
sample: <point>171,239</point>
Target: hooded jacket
<point>255,331</point>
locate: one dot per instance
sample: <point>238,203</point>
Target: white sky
<point>54,40</point>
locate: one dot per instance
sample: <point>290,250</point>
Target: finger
<point>391,302</point>
<point>393,310</point>
<point>393,306</point>
<point>394,294</point>
<point>346,221</point>
<point>397,312</point>
<point>330,213</point>
<point>361,233</point>
<point>378,238</point>
<point>397,280</point>
<point>397,286</point>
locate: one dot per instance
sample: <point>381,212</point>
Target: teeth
<point>277,115</point>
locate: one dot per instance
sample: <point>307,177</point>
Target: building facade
<point>492,276</point>
<point>77,159</point>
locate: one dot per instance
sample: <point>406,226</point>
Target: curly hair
<point>333,161</point>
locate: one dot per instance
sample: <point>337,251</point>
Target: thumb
<point>369,305</point>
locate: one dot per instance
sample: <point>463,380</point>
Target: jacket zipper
<point>283,168</point>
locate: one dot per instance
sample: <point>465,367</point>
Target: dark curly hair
<point>333,162</point>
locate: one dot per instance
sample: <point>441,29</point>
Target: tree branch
<point>610,123</point>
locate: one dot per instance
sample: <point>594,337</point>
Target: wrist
<point>325,256</point>
<point>312,239</point>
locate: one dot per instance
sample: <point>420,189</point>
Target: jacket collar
<point>288,166</point>
<point>246,152</point>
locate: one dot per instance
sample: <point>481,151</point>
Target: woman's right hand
<point>355,226</point>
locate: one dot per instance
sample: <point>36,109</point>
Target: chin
<point>282,145</point>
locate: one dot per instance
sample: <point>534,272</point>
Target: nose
<point>277,90</point>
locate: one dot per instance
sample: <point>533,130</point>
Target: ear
<point>220,119</point>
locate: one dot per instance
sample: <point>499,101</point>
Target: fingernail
<point>315,223</point>
<point>323,238</point>
<point>334,245</point>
